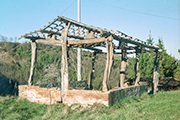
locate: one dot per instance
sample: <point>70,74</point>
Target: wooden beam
<point>71,36</point>
<point>104,32</point>
<point>94,49</point>
<point>137,73</point>
<point>123,67</point>
<point>138,43</point>
<point>116,35</point>
<point>64,64</point>
<point>109,62</point>
<point>33,60</point>
<point>126,53</point>
<point>49,41</point>
<point>72,42</point>
<point>87,41</point>
<point>135,52</point>
<point>156,73</point>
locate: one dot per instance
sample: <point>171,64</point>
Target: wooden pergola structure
<point>70,33</point>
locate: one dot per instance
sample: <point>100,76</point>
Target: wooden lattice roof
<point>82,31</point>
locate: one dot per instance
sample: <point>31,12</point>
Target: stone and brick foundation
<point>52,95</point>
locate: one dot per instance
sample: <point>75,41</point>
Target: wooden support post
<point>137,73</point>
<point>109,62</point>
<point>156,73</point>
<point>33,60</point>
<point>123,67</point>
<point>64,64</point>
<point>92,71</point>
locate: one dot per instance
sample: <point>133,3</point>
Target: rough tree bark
<point>137,73</point>
<point>123,67</point>
<point>64,64</point>
<point>156,73</point>
<point>109,62</point>
<point>33,60</point>
<point>92,71</point>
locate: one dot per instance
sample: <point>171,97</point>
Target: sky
<point>132,17</point>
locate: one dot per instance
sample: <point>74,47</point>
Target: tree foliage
<point>150,39</point>
<point>167,63</point>
<point>146,61</point>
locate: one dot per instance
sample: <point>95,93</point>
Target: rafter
<point>80,31</point>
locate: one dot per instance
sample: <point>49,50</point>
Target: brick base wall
<point>118,94</point>
<point>40,95</point>
<point>52,95</point>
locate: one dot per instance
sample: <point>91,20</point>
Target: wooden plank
<point>123,67</point>
<point>137,73</point>
<point>33,60</point>
<point>156,73</point>
<point>64,64</point>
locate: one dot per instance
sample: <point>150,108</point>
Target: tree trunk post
<point>33,60</point>
<point>64,64</point>
<point>123,67</point>
<point>92,71</point>
<point>137,73</point>
<point>109,62</point>
<point>156,73</point>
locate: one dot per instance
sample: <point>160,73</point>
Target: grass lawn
<point>161,106</point>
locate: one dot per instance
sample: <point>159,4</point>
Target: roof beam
<point>87,41</point>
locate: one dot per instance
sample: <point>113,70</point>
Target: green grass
<point>161,107</point>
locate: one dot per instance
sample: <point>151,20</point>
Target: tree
<point>150,39</point>
<point>161,44</point>
<point>146,60</point>
<point>167,63</point>
<point>3,39</point>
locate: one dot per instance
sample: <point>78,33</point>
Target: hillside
<point>15,65</point>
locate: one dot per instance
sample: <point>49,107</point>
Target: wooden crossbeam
<point>138,43</point>
<point>95,49</point>
<point>126,53</point>
<point>50,41</point>
<point>87,41</point>
<point>72,42</point>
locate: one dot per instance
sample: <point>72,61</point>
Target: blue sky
<point>129,16</point>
